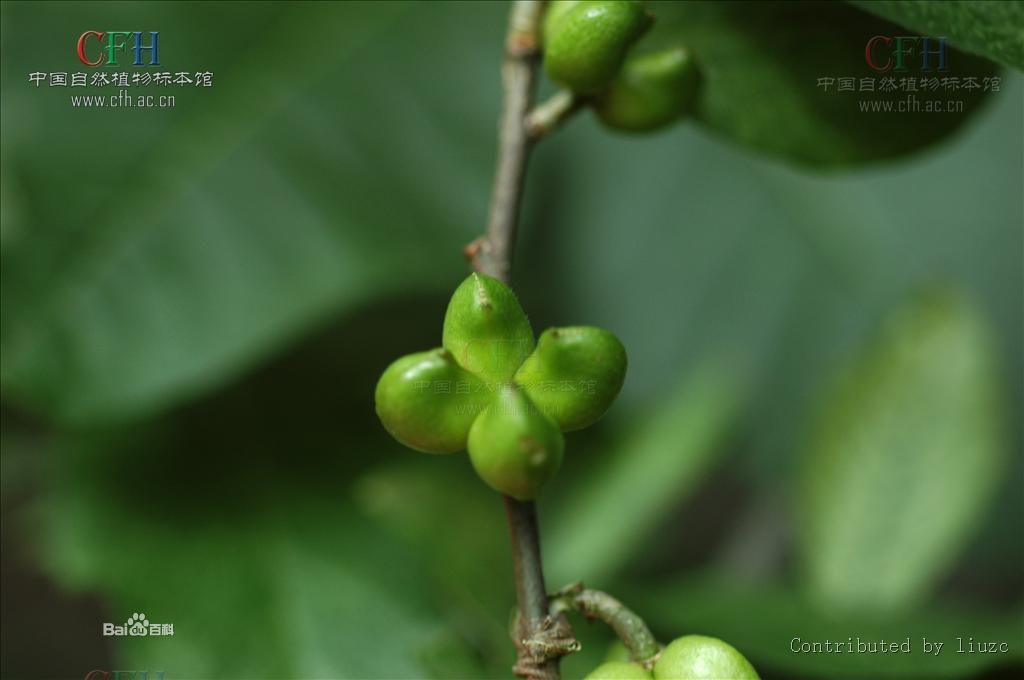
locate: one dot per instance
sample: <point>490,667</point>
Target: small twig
<point>493,252</point>
<point>548,116</point>
<point>594,604</point>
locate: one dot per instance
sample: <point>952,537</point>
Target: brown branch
<point>540,639</point>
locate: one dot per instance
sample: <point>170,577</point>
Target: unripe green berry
<point>696,657</point>
<point>586,43</point>
<point>574,375</point>
<point>554,13</point>
<point>427,402</point>
<point>650,91</point>
<point>619,670</point>
<point>486,330</point>
<point>514,447</point>
<point>618,651</point>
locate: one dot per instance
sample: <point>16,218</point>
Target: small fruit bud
<point>696,657</point>
<point>586,43</point>
<point>486,330</point>
<point>418,402</point>
<point>591,360</point>
<point>650,91</point>
<point>619,670</point>
<point>514,447</point>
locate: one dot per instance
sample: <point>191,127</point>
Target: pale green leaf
<point>904,460</point>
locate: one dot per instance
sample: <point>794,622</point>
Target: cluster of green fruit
<point>494,390</point>
<point>588,49</point>
<point>691,657</point>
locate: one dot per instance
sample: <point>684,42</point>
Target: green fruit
<point>696,657</point>
<point>467,394</point>
<point>574,375</point>
<point>486,330</point>
<point>650,91</point>
<point>554,13</point>
<point>514,447</point>
<point>587,42</point>
<point>618,670</point>
<point>427,402</point>
<point>618,651</point>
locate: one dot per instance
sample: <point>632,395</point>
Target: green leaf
<point>985,27</point>
<point>904,459</point>
<point>608,515</point>
<point>761,64</point>
<point>762,620</point>
<point>217,232</point>
<point>260,577</point>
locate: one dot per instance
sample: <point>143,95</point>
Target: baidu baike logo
<point>138,625</point>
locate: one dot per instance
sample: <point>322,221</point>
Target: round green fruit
<point>514,447</point>
<point>486,330</point>
<point>696,657</point>
<point>586,43</point>
<point>574,375</point>
<point>650,91</point>
<point>618,670</point>
<point>427,402</point>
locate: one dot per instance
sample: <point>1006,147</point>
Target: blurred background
<point>819,436</point>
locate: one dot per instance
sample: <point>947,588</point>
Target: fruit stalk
<point>631,629</point>
<point>491,254</point>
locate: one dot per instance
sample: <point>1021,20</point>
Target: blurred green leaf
<point>438,505</point>
<point>761,64</point>
<point>284,582</point>
<point>222,229</point>
<point>990,28</point>
<point>762,619</point>
<point>609,514</point>
<point>441,506</point>
<point>904,459</point>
